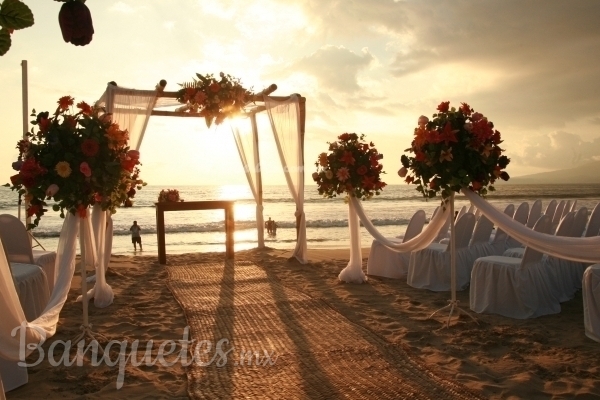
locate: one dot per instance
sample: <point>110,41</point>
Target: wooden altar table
<point>194,205</point>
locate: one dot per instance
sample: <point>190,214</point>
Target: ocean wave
<point>239,226</point>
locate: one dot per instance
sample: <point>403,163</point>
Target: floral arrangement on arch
<point>169,195</point>
<point>352,166</point>
<point>457,148</point>
<point>76,158</point>
<point>214,99</point>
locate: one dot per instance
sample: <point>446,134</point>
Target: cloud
<point>122,7</point>
<point>558,150</point>
<point>335,67</point>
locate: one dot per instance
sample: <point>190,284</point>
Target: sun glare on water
<point>234,192</point>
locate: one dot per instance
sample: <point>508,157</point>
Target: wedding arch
<point>132,109</point>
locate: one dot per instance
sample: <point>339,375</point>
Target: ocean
<point>326,219</point>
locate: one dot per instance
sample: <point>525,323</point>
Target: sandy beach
<point>498,357</point>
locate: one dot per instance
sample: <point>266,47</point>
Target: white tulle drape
<point>285,122</point>
<point>246,139</point>
<point>131,109</point>
<point>582,249</point>
<point>422,240</point>
<point>45,325</point>
<point>353,272</point>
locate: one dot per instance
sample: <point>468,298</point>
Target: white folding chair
<point>388,263</point>
<point>534,213</point>
<point>18,248</point>
<point>430,268</point>
<point>513,287</point>
<point>593,227</point>
<point>558,213</point>
<point>551,208</point>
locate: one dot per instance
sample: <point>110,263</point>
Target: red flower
<point>444,106</point>
<point>476,185</point>
<point>368,182</point>
<point>347,158</point>
<point>214,87</point>
<point>420,156</point>
<point>361,170</point>
<point>409,179</point>
<point>448,134</point>
<point>344,136</point>
<point>466,109</point>
<point>84,107</point>
<point>66,101</point>
<point>432,185</point>
<point>34,209</point>
<point>75,22</point>
<point>90,147</point>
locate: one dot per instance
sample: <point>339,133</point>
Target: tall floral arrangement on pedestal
<point>169,196</point>
<point>351,166</point>
<point>78,157</point>
<point>213,98</point>
<point>457,148</point>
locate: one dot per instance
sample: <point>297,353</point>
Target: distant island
<point>587,173</point>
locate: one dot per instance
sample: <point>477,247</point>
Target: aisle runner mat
<point>287,345</point>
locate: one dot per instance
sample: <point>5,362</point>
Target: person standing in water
<point>136,238</point>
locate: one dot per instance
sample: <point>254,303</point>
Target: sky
<point>368,66</point>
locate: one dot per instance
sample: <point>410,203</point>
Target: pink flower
<point>402,172</point>
<point>423,120</point>
<point>343,174</point>
<point>52,189</point>
<point>85,169</point>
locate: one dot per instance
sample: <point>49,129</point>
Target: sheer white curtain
<point>246,139</point>
<point>582,249</point>
<point>131,109</point>
<point>285,122</point>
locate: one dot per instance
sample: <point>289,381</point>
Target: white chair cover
<point>430,268</point>
<point>32,288</point>
<point>566,274</point>
<point>551,208</point>
<point>591,302</point>
<point>512,287</point>
<point>18,249</point>
<point>389,263</point>
<point>534,213</point>
<point>520,215</point>
<point>558,213</point>
<point>593,227</point>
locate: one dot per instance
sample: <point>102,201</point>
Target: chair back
<point>551,208</point>
<point>522,213</point>
<point>574,205</point>
<point>558,213</point>
<point>567,208</point>
<point>579,222</point>
<point>15,239</point>
<point>471,209</point>
<point>593,228</point>
<point>565,227</point>
<point>461,212</point>
<point>463,230</point>
<point>415,225</point>
<point>530,256</point>
<point>534,213</point>
<point>483,230</point>
<point>500,235</point>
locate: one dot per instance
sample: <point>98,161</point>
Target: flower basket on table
<point>169,196</point>
<point>214,98</point>
<point>353,167</point>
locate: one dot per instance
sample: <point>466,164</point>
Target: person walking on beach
<point>136,238</point>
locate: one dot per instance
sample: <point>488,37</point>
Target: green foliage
<point>14,15</point>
